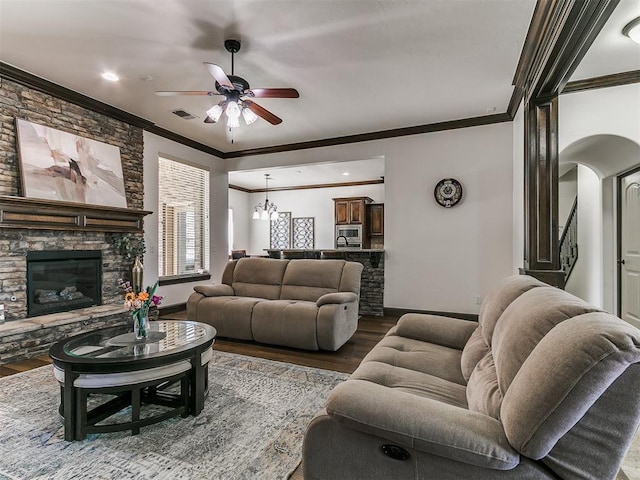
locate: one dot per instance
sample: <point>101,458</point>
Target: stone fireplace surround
<point>22,337</point>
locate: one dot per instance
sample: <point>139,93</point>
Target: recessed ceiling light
<point>632,30</point>
<point>112,77</point>
<point>345,173</point>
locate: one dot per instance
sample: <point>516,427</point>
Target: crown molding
<point>604,81</point>
<point>559,35</point>
<point>380,135</point>
<point>308,187</point>
<point>30,80</point>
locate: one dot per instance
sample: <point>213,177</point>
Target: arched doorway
<point>601,159</point>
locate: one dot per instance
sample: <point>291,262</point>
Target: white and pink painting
<point>61,166</point>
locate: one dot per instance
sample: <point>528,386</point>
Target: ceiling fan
<point>237,93</point>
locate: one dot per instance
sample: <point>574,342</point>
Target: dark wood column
<point>560,33</point>
<point>542,259</point>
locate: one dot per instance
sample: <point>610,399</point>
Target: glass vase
<point>140,325</point>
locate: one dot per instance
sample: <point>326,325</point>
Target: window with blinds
<point>183,206</point>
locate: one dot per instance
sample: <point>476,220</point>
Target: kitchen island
<point>372,282</point>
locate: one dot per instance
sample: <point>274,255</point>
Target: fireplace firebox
<point>63,280</point>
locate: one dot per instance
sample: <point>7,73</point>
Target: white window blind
<point>230,230</point>
<point>183,192</point>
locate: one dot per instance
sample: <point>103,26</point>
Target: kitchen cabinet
<point>375,219</point>
<point>351,210</point>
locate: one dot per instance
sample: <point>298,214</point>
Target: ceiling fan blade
<point>186,92</point>
<point>208,120</point>
<point>217,72</point>
<point>263,112</point>
<point>273,93</point>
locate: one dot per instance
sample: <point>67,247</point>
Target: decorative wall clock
<point>448,192</point>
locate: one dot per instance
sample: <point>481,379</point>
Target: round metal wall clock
<point>448,192</point>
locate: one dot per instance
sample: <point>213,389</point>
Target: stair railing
<point>569,242</point>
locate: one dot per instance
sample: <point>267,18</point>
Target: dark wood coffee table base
<point>98,363</point>
<point>134,396</point>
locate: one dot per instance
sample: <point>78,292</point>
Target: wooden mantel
<point>33,213</point>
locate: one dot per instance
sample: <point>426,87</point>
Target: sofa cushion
<point>259,277</point>
<point>231,316</point>
<point>310,279</point>
<point>446,331</point>
<point>214,290</point>
<point>337,298</point>
<point>351,275</point>
<point>525,322</point>
<point>500,297</point>
<point>286,322</point>
<point>483,393</point>
<point>423,357</point>
<point>474,350</point>
<point>411,381</point>
<point>569,370</point>
<point>494,304</point>
<point>423,424</point>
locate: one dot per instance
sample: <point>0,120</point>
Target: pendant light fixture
<point>266,210</point>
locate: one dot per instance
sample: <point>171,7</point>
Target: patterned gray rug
<point>251,428</point>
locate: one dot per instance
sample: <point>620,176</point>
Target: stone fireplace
<point>29,227</point>
<point>63,280</point>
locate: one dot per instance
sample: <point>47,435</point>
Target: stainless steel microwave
<point>353,233</point>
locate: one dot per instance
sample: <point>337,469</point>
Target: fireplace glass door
<point>63,280</point>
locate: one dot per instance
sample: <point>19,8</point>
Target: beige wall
<point>436,258</point>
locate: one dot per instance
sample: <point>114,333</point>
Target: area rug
<point>252,427</point>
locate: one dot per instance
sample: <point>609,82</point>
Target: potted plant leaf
<point>132,247</point>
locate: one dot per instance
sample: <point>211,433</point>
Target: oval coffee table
<point>136,372</point>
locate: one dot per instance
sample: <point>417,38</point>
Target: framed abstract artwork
<point>61,166</point>
<point>281,231</point>
<point>304,233</point>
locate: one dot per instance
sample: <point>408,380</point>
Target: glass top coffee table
<point>136,372</point>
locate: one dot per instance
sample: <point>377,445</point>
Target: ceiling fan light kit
<point>632,30</point>
<point>214,113</point>
<point>235,89</point>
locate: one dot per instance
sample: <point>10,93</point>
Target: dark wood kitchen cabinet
<point>375,217</point>
<point>351,210</point>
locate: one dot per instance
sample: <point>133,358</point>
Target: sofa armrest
<point>422,424</point>
<point>339,297</point>
<point>217,290</point>
<point>445,331</point>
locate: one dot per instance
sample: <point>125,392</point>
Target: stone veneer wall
<point>33,337</point>
<point>371,283</point>
<point>17,101</point>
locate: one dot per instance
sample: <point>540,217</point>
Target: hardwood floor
<point>346,359</point>
<point>24,365</point>
<point>370,331</point>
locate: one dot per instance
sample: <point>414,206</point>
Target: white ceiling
<point>612,52</point>
<point>316,174</point>
<point>360,66</point>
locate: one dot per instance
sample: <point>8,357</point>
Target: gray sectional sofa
<point>544,386</point>
<point>307,304</point>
